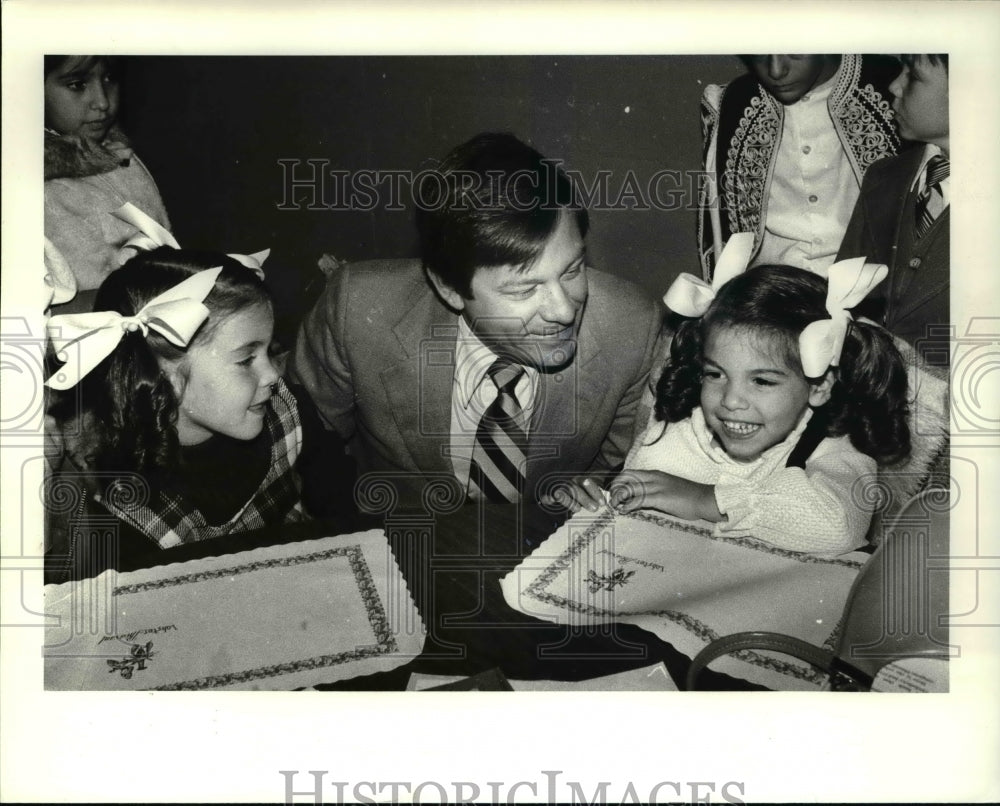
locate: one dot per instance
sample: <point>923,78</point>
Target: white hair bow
<point>60,282</point>
<point>822,341</point>
<point>690,296</point>
<point>151,235</point>
<point>83,340</point>
<point>254,262</point>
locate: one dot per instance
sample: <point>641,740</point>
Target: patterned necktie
<point>498,457</point>
<point>930,202</point>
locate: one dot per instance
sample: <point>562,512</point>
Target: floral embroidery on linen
<point>139,655</point>
<point>608,582</point>
<point>598,530</point>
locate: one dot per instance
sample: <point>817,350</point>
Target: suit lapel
<point>419,384</point>
<point>904,202</point>
<point>565,404</point>
<point>889,204</point>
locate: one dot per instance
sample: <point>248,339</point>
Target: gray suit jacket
<point>377,354</point>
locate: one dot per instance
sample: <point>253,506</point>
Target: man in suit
<point>499,361</point>
<point>902,217</point>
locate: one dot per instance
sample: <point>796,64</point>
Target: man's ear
<point>820,391</point>
<point>449,295</point>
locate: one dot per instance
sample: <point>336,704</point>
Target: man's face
<point>789,76</point>
<point>920,101</point>
<point>531,315</point>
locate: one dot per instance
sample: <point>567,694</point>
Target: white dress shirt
<point>473,392</point>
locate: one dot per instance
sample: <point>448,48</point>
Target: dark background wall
<point>213,129</point>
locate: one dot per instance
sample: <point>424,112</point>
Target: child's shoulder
<point>74,157</point>
<point>738,91</point>
<point>841,447</point>
<point>383,281</point>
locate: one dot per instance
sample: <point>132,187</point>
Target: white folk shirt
<point>813,188</point>
<point>473,392</point>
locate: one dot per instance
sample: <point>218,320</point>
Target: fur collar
<point>72,156</point>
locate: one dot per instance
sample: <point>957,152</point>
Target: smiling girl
<point>195,434</point>
<point>90,170</point>
<point>765,425</point>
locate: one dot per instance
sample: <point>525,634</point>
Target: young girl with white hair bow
<point>195,435</point>
<point>774,408</point>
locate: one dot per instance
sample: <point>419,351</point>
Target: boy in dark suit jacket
<point>902,216</point>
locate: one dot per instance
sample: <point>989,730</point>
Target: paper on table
<point>648,678</point>
<point>273,618</point>
<point>909,675</point>
<point>676,580</point>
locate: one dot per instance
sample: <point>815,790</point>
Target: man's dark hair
<point>493,201</point>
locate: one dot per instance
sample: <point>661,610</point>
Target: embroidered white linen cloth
<point>272,618</point>
<point>676,580</point>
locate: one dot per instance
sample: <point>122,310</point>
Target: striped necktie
<point>499,454</point>
<point>930,202</point>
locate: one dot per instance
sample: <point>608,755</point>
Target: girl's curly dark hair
<point>128,393</point>
<point>869,399</point>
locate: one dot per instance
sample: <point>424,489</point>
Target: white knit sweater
<point>822,508</point>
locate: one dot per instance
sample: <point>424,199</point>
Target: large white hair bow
<point>822,341</point>
<point>151,235</point>
<point>60,282</point>
<point>690,296</point>
<point>83,340</point>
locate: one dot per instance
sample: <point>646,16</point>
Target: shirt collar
<point>472,359</point>
<point>930,151</point>
<point>706,439</point>
<point>820,94</point>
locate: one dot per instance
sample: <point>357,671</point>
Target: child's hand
<point>652,489</point>
<point>582,492</point>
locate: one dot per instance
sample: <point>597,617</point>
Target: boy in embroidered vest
<point>786,149</point>
<point>902,216</point>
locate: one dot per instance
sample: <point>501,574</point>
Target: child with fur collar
<point>90,170</point>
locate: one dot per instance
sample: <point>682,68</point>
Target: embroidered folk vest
<point>744,129</point>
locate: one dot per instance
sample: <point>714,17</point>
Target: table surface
<point>453,564</point>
